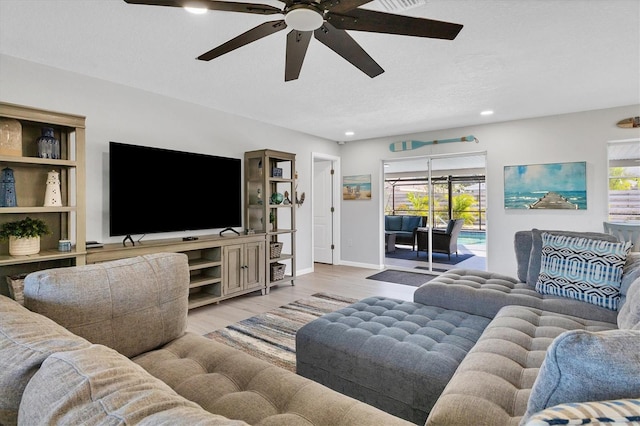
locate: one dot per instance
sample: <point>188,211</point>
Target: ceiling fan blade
<point>297,43</point>
<point>247,37</point>
<point>342,43</point>
<point>341,6</point>
<point>227,6</point>
<point>380,22</point>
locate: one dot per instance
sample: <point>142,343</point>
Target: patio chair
<point>444,240</point>
<point>625,232</point>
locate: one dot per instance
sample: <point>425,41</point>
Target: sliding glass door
<point>439,189</point>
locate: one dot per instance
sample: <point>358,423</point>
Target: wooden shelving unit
<point>65,222</point>
<point>268,172</point>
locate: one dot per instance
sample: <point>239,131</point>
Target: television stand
<point>128,237</point>
<point>229,229</point>
<point>220,267</point>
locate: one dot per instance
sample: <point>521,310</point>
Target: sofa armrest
<point>108,298</point>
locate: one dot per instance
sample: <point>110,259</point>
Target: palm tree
<point>461,206</point>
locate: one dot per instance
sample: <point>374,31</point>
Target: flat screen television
<point>153,190</point>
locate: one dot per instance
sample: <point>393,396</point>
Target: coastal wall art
<point>546,186</point>
<point>357,187</point>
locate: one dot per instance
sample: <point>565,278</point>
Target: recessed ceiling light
<point>487,112</point>
<point>196,10</point>
<point>349,133</point>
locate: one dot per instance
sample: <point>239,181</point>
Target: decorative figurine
<point>52,193</point>
<point>8,189</point>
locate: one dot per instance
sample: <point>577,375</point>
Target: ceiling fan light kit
<point>303,18</point>
<point>327,20</point>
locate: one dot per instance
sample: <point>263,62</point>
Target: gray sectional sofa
<point>106,344</point>
<point>478,348</point>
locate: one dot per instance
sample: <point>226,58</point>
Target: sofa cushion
<point>131,305</point>
<point>493,383</point>
<point>485,293</point>
<point>393,223</point>
<point>410,223</point>
<point>587,366</point>
<point>616,412</point>
<point>629,315</point>
<point>535,255</point>
<point>582,268</point>
<point>231,383</point>
<point>97,385</point>
<point>26,340</point>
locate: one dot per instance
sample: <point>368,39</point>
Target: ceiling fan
<point>327,20</point>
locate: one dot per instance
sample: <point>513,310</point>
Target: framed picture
<point>356,187</point>
<point>546,186</point>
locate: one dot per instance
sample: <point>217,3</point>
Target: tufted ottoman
<point>393,354</point>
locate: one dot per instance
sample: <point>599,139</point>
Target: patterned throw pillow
<point>582,268</point>
<point>618,412</point>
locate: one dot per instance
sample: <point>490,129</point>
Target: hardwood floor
<point>342,280</point>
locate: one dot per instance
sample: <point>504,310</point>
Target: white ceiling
<point>520,58</point>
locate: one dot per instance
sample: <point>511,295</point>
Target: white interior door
<point>322,212</point>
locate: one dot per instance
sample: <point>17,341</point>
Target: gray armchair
<point>444,240</point>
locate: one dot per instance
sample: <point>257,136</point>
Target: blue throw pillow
<point>582,366</point>
<point>393,223</point>
<point>409,223</point>
<point>450,226</point>
<point>582,269</point>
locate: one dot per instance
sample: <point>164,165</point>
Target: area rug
<point>408,254</point>
<point>402,277</point>
<point>272,336</point>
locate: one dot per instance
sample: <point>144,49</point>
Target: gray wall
<point>563,138</point>
<point>124,114</point>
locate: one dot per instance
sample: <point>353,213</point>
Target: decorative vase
<point>8,189</point>
<point>48,145</point>
<point>24,246</point>
<point>10,137</point>
<point>52,193</point>
<point>276,198</point>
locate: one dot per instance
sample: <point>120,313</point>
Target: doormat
<point>408,254</point>
<point>414,279</point>
<point>271,336</point>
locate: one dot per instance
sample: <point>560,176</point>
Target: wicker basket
<point>16,287</point>
<point>275,249</point>
<point>277,271</point>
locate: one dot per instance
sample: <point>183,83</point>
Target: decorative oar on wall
<point>409,145</point>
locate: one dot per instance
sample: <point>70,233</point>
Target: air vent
<point>399,5</point>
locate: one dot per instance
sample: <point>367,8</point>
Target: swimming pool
<point>472,237</point>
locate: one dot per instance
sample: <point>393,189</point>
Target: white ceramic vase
<point>24,246</point>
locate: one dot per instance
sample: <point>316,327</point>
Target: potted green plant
<point>23,235</point>
<point>272,219</point>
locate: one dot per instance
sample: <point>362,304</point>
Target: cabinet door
<point>234,268</point>
<point>254,264</point>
